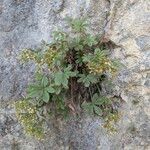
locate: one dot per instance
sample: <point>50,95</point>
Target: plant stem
<point>90,92</point>
<point>98,89</point>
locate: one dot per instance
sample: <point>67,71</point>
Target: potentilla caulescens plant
<point>69,73</point>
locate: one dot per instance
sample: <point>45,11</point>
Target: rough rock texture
<point>126,23</point>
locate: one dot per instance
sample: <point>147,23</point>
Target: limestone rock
<point>126,23</point>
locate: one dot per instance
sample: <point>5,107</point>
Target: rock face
<point>24,23</point>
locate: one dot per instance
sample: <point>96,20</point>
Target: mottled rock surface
<point>126,23</point>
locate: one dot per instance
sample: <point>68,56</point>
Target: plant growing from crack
<point>68,77</point>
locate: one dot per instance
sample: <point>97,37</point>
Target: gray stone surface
<point>24,23</point>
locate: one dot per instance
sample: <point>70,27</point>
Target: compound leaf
<point>44,81</point>
<point>45,96</point>
<point>97,110</point>
<point>50,89</point>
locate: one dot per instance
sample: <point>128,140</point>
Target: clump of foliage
<point>69,73</point>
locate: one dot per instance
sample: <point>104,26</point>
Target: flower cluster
<point>110,121</point>
<point>29,55</point>
<point>49,56</point>
<point>26,114</point>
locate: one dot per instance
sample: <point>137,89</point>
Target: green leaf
<point>65,81</point>
<point>82,78</point>
<point>58,90</point>
<point>78,24</point>
<point>71,74</point>
<point>79,47</point>
<point>59,36</point>
<point>34,93</point>
<point>99,101</point>
<point>102,101</point>
<point>90,40</point>
<point>92,78</point>
<point>97,50</point>
<point>97,110</point>
<point>87,57</point>
<point>87,84</point>
<point>44,81</point>
<point>99,53</point>
<point>58,78</point>
<point>95,97</point>
<point>50,89</point>
<point>87,80</point>
<point>45,96</point>
<point>61,78</point>
<point>33,87</point>
<point>38,76</point>
<point>88,107</point>
<point>68,73</point>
